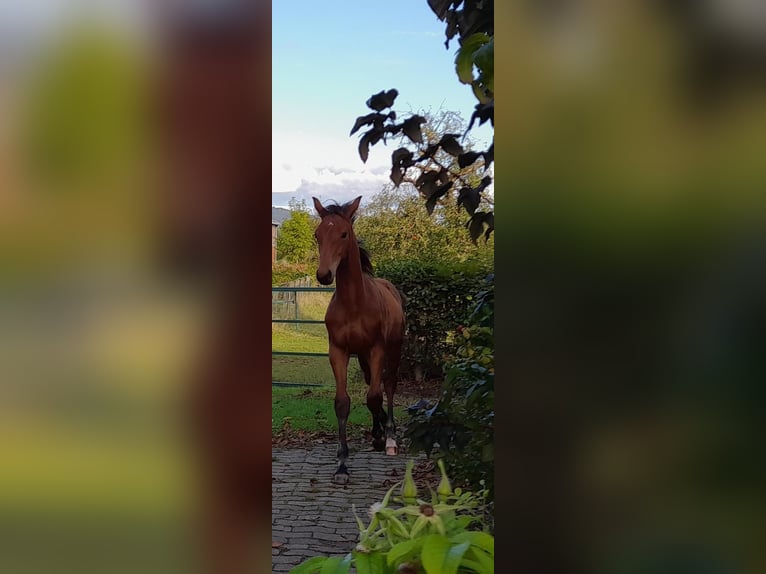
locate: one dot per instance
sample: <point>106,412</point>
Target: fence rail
<point>292,298</point>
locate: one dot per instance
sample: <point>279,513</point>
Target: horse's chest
<point>354,334</point>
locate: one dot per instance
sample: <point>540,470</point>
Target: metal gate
<point>292,298</point>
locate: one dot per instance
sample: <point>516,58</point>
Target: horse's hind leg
<point>390,380</point>
<point>373,371</point>
<point>339,363</point>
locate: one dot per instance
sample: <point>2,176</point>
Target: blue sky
<point>327,59</point>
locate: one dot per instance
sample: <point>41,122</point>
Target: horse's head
<point>335,237</point>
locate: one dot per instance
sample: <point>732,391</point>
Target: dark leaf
<point>364,147</point>
<point>485,181</point>
<point>451,30</point>
<point>375,135</point>
<point>427,188</point>
<point>450,144</point>
<point>411,128</point>
<point>489,156</point>
<point>477,222</point>
<point>426,178</point>
<point>467,158</point>
<point>472,21</point>
<point>483,112</point>
<point>440,7</point>
<point>397,175</point>
<point>435,195</point>
<point>402,157</point>
<point>490,221</point>
<point>382,100</point>
<point>373,118</point>
<point>469,198</point>
<point>429,152</point>
<point>393,129</point>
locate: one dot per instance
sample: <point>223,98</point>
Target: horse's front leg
<point>339,363</point>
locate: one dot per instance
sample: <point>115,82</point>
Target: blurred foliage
<point>632,265</point>
<point>83,111</point>
<point>81,156</point>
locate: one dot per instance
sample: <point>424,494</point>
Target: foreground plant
<point>436,536</point>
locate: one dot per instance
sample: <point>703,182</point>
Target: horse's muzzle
<point>326,278</point>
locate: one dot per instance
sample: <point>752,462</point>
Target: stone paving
<point>310,515</point>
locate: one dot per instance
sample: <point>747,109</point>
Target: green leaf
<point>484,58</point>
<point>403,551</point>
<point>331,565</point>
<point>310,566</point>
<point>372,563</point>
<point>479,539</point>
<point>473,566</point>
<point>439,557</point>
<point>464,59</point>
<point>486,561</point>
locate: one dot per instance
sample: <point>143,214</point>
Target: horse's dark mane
<point>366,261</point>
<point>364,256</point>
<point>336,209</point>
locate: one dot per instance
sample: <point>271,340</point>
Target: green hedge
<point>438,298</point>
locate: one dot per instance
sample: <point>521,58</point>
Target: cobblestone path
<point>310,515</point>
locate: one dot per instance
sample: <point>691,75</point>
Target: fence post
<point>297,325</point>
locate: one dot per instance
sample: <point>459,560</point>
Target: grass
<point>312,409</point>
<point>95,475</point>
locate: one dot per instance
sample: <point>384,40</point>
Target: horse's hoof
<point>378,444</point>
<point>391,448</point>
<point>340,478</point>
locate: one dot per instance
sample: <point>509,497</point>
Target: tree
<point>417,159</point>
<point>395,224</point>
<point>296,235</point>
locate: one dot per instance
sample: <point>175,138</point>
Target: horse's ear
<point>351,208</point>
<point>319,207</point>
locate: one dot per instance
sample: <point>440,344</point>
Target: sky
<point>328,58</point>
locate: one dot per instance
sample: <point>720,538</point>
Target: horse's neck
<point>349,283</point>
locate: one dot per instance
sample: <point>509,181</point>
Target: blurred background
<point>95,341</point>
<point>630,192</point>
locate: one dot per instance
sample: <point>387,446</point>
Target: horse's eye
<point>344,235</point>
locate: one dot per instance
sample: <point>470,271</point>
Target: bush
<point>283,272</point>
<point>418,537</point>
<point>438,298</point>
<point>461,423</point>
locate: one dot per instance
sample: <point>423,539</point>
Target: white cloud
<point>305,164</point>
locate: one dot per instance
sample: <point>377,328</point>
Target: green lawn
<point>312,409</point>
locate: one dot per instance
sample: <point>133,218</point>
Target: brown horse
<point>366,318</point>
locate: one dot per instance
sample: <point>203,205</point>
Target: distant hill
<point>279,215</point>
